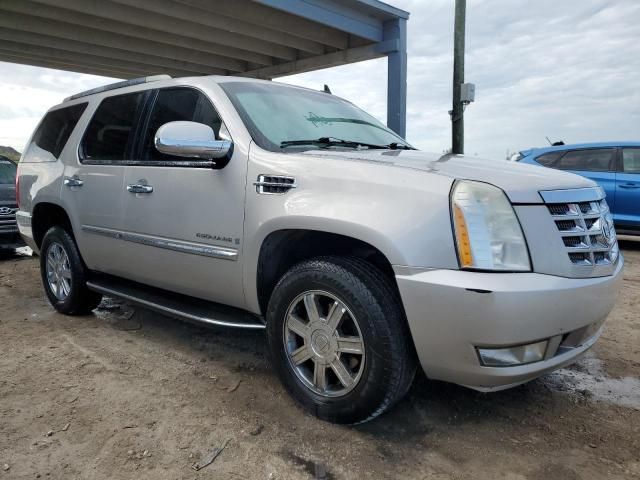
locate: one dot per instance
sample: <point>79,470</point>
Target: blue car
<point>615,166</point>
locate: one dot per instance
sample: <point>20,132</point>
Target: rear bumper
<point>451,313</point>
<point>24,227</point>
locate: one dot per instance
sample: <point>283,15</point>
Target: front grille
<point>587,232</point>
<point>8,220</point>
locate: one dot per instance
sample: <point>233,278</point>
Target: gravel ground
<point>127,393</point>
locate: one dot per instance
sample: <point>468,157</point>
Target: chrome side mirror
<point>190,139</point>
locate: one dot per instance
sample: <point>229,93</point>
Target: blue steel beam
<point>396,30</point>
<point>333,14</point>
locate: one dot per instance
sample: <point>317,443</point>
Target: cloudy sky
<point>563,69</point>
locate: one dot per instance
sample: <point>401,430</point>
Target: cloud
<point>566,69</point>
<point>26,93</point>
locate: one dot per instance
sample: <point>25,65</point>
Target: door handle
<point>139,188</point>
<point>630,185</point>
<point>72,181</point>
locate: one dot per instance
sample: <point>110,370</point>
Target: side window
<point>591,160</point>
<point>7,172</point>
<point>631,160</point>
<point>548,159</point>
<point>175,104</point>
<point>56,127</point>
<point>111,132</point>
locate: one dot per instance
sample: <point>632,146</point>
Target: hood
<point>520,182</point>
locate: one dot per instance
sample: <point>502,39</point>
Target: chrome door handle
<point>139,188</point>
<point>72,181</point>
<point>630,185</point>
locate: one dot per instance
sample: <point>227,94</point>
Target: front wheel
<point>64,274</point>
<point>338,339</point>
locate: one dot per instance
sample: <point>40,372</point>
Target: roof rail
<point>113,86</point>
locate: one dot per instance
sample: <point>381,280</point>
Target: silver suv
<point>253,204</point>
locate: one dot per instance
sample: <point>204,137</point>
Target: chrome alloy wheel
<point>324,344</point>
<point>58,271</point>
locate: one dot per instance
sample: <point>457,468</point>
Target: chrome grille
<point>8,220</point>
<point>587,232</point>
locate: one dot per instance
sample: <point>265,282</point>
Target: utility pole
<point>457,113</point>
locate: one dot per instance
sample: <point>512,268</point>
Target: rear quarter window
<point>549,159</point>
<point>56,127</point>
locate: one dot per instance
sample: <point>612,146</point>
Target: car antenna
<point>549,141</point>
<point>327,89</point>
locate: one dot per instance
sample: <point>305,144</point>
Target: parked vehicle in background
<point>9,235</point>
<point>253,204</point>
<point>614,166</point>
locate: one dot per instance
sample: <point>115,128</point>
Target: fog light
<point>507,357</point>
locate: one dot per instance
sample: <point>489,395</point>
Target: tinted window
<point>177,104</point>
<point>56,127</point>
<point>631,160</point>
<point>548,159</point>
<point>593,160</point>
<point>7,172</point>
<point>111,131</point>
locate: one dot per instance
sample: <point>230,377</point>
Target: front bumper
<point>451,313</point>
<point>10,237</point>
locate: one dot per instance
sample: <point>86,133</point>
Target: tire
<point>66,287</point>
<point>373,322</point>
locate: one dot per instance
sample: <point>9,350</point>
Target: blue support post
<point>397,76</point>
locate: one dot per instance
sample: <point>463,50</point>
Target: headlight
<point>488,234</point>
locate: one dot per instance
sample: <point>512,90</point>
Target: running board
<point>175,305</point>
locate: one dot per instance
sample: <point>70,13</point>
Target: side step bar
<point>175,305</point>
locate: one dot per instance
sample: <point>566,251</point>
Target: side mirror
<point>192,140</point>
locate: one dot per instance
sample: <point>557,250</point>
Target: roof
<point>574,146</point>
<point>255,38</point>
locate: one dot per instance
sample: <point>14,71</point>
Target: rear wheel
<point>338,339</point>
<point>64,274</point>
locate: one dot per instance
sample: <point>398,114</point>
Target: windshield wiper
<point>326,142</point>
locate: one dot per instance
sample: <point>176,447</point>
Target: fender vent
<point>274,184</point>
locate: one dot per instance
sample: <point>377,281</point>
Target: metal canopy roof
<point>255,38</point>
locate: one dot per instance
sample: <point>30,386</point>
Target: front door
<point>183,222</point>
<point>627,213</point>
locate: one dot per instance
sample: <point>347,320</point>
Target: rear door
<point>93,190</point>
<point>627,212</point>
<point>598,164</point>
<point>184,233</point>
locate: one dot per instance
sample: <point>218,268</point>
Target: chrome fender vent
<point>274,184</point>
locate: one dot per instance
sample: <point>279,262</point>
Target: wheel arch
<point>46,215</point>
<point>283,248</point>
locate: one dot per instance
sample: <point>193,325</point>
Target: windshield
<point>7,172</point>
<point>277,114</point>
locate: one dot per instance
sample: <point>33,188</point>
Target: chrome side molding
<point>168,244</point>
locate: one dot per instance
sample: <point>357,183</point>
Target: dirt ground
<point>127,393</point>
